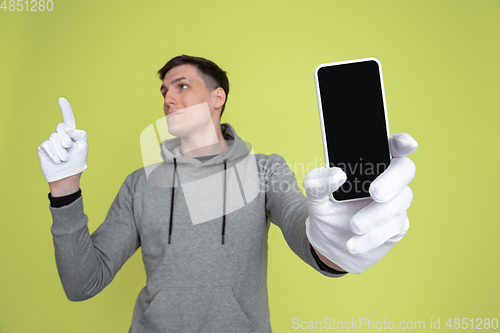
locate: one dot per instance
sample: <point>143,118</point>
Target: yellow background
<point>440,60</point>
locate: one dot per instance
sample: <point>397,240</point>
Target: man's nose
<point>169,99</point>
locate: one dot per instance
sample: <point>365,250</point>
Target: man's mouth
<point>176,111</point>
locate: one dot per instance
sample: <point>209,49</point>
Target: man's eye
<point>183,86</point>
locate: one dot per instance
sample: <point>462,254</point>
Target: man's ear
<point>220,98</point>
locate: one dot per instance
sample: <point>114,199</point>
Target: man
<point>200,216</point>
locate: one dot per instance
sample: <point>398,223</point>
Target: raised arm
<point>86,263</point>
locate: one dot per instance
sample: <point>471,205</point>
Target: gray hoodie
<point>204,239</point>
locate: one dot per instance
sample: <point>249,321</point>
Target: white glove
<point>355,235</point>
<point>64,154</point>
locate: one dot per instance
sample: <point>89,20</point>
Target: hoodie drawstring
<point>224,205</point>
<point>172,204</point>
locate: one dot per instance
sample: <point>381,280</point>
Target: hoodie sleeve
<point>288,209</point>
<point>86,263</point>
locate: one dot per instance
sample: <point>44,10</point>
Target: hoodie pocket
<point>195,309</point>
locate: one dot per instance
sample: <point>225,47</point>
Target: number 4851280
<point>475,323</point>
<point>27,5</point>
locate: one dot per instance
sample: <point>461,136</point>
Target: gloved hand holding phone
<point>355,235</point>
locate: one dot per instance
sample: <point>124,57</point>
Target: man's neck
<point>205,144</point>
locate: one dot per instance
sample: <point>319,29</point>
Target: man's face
<point>183,88</point>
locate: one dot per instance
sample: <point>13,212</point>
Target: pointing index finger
<point>67,112</point>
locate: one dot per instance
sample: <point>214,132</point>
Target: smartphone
<point>354,125</point>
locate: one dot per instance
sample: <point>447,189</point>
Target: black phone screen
<point>354,118</point>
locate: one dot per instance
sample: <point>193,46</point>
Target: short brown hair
<point>212,75</point>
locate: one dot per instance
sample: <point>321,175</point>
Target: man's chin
<point>178,130</point>
<point>173,132</point>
